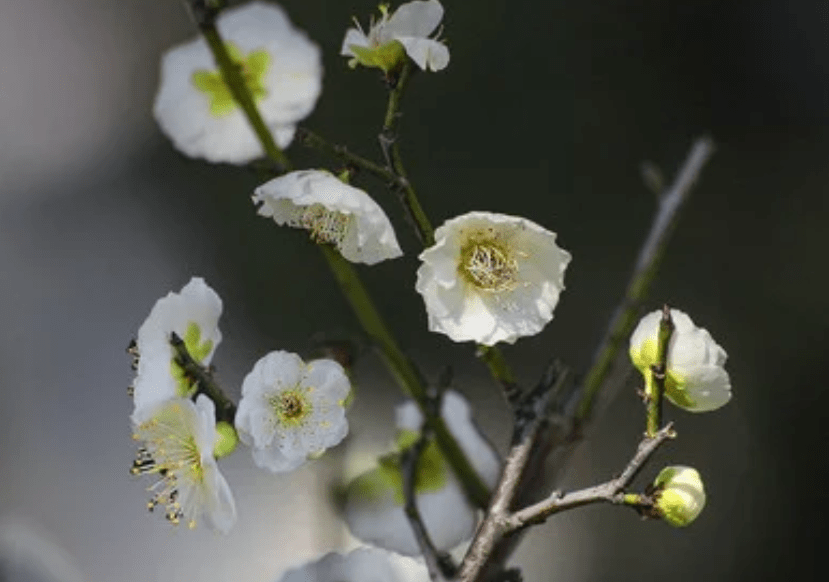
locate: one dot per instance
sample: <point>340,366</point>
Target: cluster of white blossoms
<point>695,377</point>
<point>394,36</point>
<point>374,509</point>
<point>281,67</point>
<point>488,278</point>
<point>289,410</point>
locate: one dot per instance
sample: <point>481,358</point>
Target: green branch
<point>658,373</point>
<point>405,373</point>
<point>232,76</point>
<point>650,258</point>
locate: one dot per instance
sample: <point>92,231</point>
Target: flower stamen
<point>489,265</point>
<point>326,226</point>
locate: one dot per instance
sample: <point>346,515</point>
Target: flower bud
<point>679,496</point>
<point>226,439</point>
<point>695,378</point>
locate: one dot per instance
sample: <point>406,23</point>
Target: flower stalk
<point>232,76</point>
<point>659,373</point>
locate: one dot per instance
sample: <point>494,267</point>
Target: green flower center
<point>252,67</point>
<point>291,406</point>
<point>198,350</point>
<point>489,264</point>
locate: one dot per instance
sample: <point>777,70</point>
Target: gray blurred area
<point>546,111</point>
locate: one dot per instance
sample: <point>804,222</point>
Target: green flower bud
<point>679,496</point>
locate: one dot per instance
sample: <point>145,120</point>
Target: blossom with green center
<point>192,314</point>
<point>696,379</point>
<point>332,212</point>
<point>291,410</point>
<point>253,68</point>
<point>374,509</point>
<point>491,278</point>
<point>679,495</point>
<point>392,37</point>
<point>178,440</point>
<point>281,67</point>
<point>360,565</point>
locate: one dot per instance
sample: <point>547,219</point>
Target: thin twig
<point>308,138</point>
<point>203,379</point>
<point>647,264</point>
<point>391,152</point>
<point>529,416</point>
<point>408,468</point>
<point>611,491</point>
<point>654,394</point>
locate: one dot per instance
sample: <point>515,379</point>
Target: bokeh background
<point>546,111</point>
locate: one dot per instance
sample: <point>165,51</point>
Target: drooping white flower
<point>696,379</point>
<point>291,410</point>
<point>280,65</point>
<point>680,495</point>
<point>193,314</point>
<point>408,28</point>
<point>374,509</point>
<point>178,439</point>
<point>491,278</point>
<point>333,212</point>
<point>360,565</point>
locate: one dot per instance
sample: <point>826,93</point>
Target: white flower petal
<point>292,82</point>
<point>509,300</point>
<point>417,18</point>
<point>196,304</point>
<point>290,410</point>
<point>361,565</point>
<point>365,235</point>
<point>428,54</point>
<point>353,37</point>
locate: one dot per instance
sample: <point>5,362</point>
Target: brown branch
<point>579,406</point>
<point>611,491</point>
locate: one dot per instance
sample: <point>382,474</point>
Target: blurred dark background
<point>546,111</point>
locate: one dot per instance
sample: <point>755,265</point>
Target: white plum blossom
<point>333,212</point>
<point>408,27</point>
<point>178,439</point>
<point>291,410</point>
<point>491,278</point>
<point>679,496</point>
<point>193,314</point>
<point>360,565</point>
<point>696,379</point>
<point>281,67</point>
<point>374,509</point>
